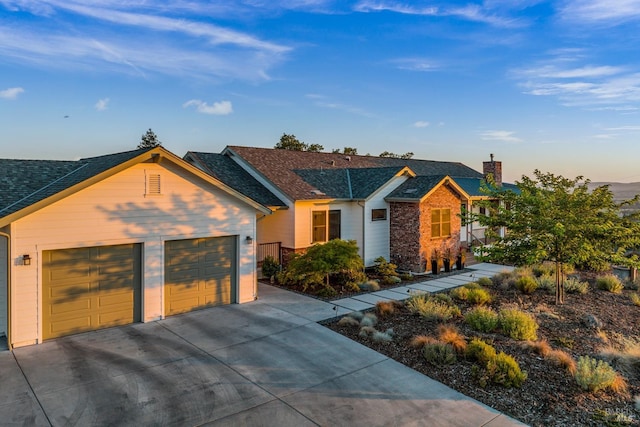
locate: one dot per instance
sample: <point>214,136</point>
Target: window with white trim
<point>378,214</point>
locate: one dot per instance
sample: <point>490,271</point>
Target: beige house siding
<point>117,211</point>
<point>3,285</point>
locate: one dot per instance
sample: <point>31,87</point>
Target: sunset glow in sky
<point>549,85</point>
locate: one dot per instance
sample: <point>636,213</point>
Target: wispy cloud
<point>499,135</point>
<point>601,11</point>
<point>421,124</point>
<point>102,104</point>
<point>469,12</point>
<point>11,93</point>
<point>135,37</point>
<point>221,108</point>
<point>576,83</point>
<point>416,64</point>
<point>324,102</point>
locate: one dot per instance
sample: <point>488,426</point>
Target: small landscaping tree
<point>552,218</point>
<point>337,258</point>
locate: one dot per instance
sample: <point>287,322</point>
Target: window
<point>378,214</point>
<point>440,223</point>
<point>483,210</point>
<point>320,226</point>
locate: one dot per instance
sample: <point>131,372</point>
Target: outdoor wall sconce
<point>249,239</point>
<point>26,259</point>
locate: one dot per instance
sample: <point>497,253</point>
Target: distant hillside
<point>621,191</point>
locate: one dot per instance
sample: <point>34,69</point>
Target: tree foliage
<point>349,151</point>
<point>149,140</point>
<point>552,218</point>
<point>337,258</point>
<point>406,155</point>
<point>290,142</point>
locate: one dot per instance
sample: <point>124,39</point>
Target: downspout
<point>8,289</point>
<point>363,233</point>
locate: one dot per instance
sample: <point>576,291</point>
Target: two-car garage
<point>97,287</point>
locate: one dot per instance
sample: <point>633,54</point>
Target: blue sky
<point>552,85</point>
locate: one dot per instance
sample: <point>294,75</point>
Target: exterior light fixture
<point>249,239</point>
<point>26,259</point>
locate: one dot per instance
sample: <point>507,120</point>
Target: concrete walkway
<point>266,363</point>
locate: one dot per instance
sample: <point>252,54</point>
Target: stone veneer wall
<point>410,229</point>
<point>404,232</point>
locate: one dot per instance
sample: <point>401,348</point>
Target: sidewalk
<point>366,301</point>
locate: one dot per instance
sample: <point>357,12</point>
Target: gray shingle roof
<point>230,173</point>
<point>415,188</point>
<point>282,168</point>
<point>472,186</point>
<point>25,182</point>
<point>347,183</point>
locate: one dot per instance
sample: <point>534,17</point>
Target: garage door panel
<point>110,296</point>
<point>199,273</point>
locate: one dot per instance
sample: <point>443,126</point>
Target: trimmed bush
<point>378,336</point>
<point>460,293</point>
<point>482,319</point>
<point>369,319</point>
<point>406,277</point>
<point>504,370</point>
<point>575,286</point>
<point>431,309</point>
<point>609,283</point>
<point>485,281</point>
<point>480,351</point>
<point>518,325</point>
<point>547,283</point>
<point>270,267</point>
<point>526,284</point>
<point>594,375</point>
<point>391,280</point>
<point>439,353</point>
<point>369,286</point>
<point>479,296</point>
<point>445,298</point>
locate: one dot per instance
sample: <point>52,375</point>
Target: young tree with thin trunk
<point>552,218</point>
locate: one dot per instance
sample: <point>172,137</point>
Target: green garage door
<point>90,288</point>
<point>199,273</point>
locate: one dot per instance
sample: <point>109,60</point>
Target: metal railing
<point>273,249</point>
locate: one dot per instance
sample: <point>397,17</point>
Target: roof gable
<point>60,179</point>
<point>283,169</point>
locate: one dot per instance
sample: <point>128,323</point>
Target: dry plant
<point>385,308</point>
<point>563,359</point>
<point>541,347</point>
<point>420,341</point>
<point>449,334</point>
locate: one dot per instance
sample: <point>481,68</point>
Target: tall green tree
<point>149,140</point>
<point>349,151</point>
<point>556,219</point>
<point>290,142</point>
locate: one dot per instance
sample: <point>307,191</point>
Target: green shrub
<point>270,267</point>
<point>460,293</point>
<point>369,319</point>
<point>480,351</point>
<point>472,285</point>
<point>518,325</point>
<point>593,375</point>
<point>485,281</point>
<point>482,319</point>
<point>369,286</point>
<point>391,280</point>
<point>544,269</point>
<point>547,283</point>
<point>439,353</point>
<point>382,336</point>
<point>431,309</point>
<point>504,370</point>
<point>574,286</point>
<point>442,297</point>
<point>635,299</point>
<point>384,268</point>
<point>526,284</point>
<point>632,285</point>
<point>610,283</point>
<point>407,277</point>
<point>479,296</point>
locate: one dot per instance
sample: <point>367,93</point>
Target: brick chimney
<point>492,170</point>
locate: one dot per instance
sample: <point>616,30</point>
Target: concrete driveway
<point>266,363</point>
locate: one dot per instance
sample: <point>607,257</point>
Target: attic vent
<point>153,185</point>
<point>317,193</point>
<point>410,190</point>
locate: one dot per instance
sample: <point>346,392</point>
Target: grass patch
<point>609,283</point>
<point>431,308</point>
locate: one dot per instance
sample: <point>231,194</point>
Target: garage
<point>199,273</point>
<point>90,288</point>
